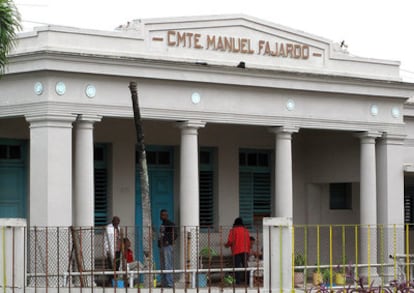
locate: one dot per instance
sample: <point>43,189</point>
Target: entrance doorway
<point>161,186</point>
<point>13,178</point>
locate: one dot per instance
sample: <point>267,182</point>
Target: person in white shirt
<point>112,244</point>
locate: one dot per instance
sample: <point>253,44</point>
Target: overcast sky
<point>382,29</point>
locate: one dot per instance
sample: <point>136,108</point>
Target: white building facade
<point>242,117</point>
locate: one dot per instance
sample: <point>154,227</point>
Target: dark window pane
<point>252,159</point>
<point>3,151</point>
<point>262,160</point>
<point>15,152</point>
<point>204,158</point>
<point>242,159</point>
<point>98,154</point>
<point>340,196</point>
<point>164,158</point>
<point>151,158</point>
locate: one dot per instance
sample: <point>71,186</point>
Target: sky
<point>381,29</point>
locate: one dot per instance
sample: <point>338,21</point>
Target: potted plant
<point>326,275</point>
<point>340,276</point>
<point>299,276</point>
<point>317,277</point>
<point>208,253</point>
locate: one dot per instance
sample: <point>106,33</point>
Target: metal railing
<point>57,257</point>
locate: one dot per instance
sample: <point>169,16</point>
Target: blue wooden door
<point>161,181</point>
<point>13,179</point>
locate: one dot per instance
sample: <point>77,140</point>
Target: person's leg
<point>109,266</point>
<point>162,266</point>
<point>169,278</point>
<point>238,264</point>
<point>244,257</point>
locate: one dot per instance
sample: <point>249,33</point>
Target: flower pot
<point>299,278</point>
<point>118,283</point>
<point>202,280</point>
<point>340,279</point>
<point>317,278</point>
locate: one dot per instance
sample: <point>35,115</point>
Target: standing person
<point>239,242</point>
<point>168,234</point>
<point>112,244</point>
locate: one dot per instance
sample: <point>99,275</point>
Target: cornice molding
<point>152,67</point>
<point>50,120</point>
<point>62,108</point>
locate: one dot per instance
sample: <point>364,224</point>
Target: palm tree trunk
<point>143,172</point>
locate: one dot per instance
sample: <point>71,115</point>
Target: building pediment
<point>230,39</point>
<point>224,40</point>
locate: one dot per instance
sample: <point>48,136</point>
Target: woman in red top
<point>128,254</point>
<point>239,242</point>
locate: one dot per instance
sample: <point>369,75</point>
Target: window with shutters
<point>206,181</point>
<point>254,186</point>
<point>101,184</point>
<point>409,204</point>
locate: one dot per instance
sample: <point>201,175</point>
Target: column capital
<point>392,138</point>
<point>368,136</point>
<point>89,118</point>
<point>50,120</point>
<point>86,121</point>
<point>289,129</point>
<point>194,124</point>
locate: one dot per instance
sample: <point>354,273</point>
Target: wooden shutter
<point>246,198</point>
<point>101,185</point>
<point>408,204</point>
<point>206,199</point>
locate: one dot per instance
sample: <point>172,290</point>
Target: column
<point>283,203</point>
<point>83,196</point>
<point>50,193</point>
<point>368,202</point>
<point>50,169</point>
<point>390,186</point>
<point>189,188</point>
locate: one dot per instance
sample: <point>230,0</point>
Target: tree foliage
<point>9,25</point>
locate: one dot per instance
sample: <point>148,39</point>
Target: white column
<point>83,196</point>
<point>189,188</point>
<point>368,200</point>
<point>50,169</point>
<point>283,203</point>
<point>390,186</point>
<point>390,181</point>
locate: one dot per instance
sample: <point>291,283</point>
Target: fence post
<point>277,254</point>
<point>12,241</point>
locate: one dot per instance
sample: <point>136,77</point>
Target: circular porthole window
<point>90,91</point>
<point>395,112</point>
<point>374,110</point>
<point>195,98</point>
<point>38,88</point>
<point>290,105</point>
<point>60,88</point>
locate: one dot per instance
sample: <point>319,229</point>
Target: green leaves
<point>9,25</point>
